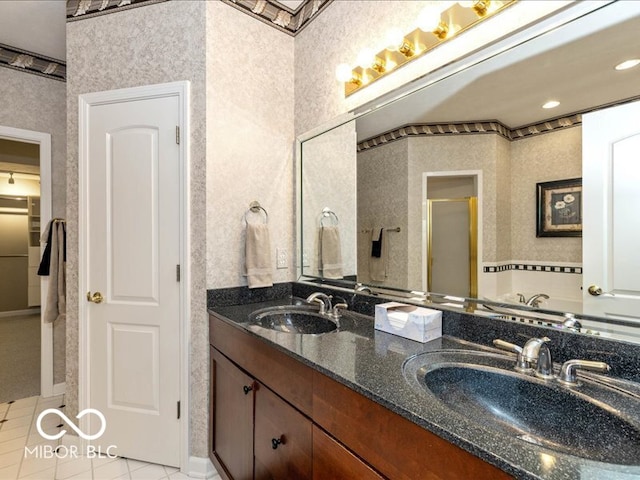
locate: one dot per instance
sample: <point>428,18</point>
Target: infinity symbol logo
<point>71,424</point>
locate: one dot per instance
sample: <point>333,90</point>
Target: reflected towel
<point>379,254</point>
<point>258,256</point>
<point>330,252</point>
<point>56,236</point>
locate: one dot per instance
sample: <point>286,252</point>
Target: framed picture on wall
<point>559,208</point>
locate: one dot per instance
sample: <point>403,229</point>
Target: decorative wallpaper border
<point>81,9</point>
<point>280,16</point>
<point>29,62</point>
<point>435,129</point>
<point>532,268</point>
<point>472,128</point>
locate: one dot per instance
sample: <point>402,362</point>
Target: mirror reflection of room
<point>19,261</point>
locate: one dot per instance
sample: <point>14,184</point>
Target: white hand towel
<point>258,256</point>
<point>378,265</point>
<point>56,307</point>
<point>330,252</point>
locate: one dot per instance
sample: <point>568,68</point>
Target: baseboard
<point>17,313</point>
<point>201,468</point>
<point>59,389</point>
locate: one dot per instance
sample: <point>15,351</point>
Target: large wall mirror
<point>436,191</point>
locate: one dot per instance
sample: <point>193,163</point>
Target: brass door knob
<point>595,290</point>
<point>95,298</point>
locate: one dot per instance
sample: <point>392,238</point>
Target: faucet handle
<point>568,370</point>
<point>336,309</point>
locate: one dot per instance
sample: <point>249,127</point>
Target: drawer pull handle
<point>246,389</point>
<point>275,442</point>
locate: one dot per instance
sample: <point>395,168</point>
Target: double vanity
<point>300,394</point>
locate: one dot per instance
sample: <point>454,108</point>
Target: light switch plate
<point>281,258</point>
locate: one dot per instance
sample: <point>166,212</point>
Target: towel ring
<point>255,207</point>
<point>328,213</point>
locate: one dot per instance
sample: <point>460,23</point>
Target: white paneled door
<point>132,254</point>
<point>611,178</point>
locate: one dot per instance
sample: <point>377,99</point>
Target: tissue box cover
<point>415,323</point>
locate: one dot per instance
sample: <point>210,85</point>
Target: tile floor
<point>18,430</point>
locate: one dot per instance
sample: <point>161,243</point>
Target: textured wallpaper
<point>543,158</point>
<point>383,202</point>
<point>329,166</point>
<point>160,43</point>
<point>249,140</point>
<point>31,102</point>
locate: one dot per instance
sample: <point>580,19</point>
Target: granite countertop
<point>371,362</point>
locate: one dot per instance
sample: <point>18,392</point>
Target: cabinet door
<point>282,446</point>
<point>332,460</point>
<point>232,414</point>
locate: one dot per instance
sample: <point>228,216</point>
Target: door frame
<point>181,90</point>
<point>47,388</point>
<point>477,176</point>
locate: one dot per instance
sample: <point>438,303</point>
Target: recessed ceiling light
<point>628,64</point>
<point>551,104</point>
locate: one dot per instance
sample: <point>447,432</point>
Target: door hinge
<point>177,135</point>
<point>178,409</point>
<point>177,273</point>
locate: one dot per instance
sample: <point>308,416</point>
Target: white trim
<point>477,178</point>
<point>58,389</point>
<point>85,102</point>
<point>200,467</point>
<point>46,329</point>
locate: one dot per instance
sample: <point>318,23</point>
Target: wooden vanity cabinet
<point>320,428</point>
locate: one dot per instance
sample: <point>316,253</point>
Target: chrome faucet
<point>360,288</point>
<point>568,371</point>
<point>534,301</point>
<point>534,352</point>
<point>323,299</point>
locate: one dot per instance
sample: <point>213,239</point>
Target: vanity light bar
<point>435,27</point>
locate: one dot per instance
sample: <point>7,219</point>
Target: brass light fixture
<point>434,27</point>
<point>12,181</point>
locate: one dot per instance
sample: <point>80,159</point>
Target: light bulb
<point>466,4</point>
<point>395,39</point>
<point>343,72</point>
<point>429,19</point>
<point>551,104</point>
<point>366,58</point>
<point>628,64</point>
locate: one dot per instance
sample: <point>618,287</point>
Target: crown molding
<point>279,16</point>
<point>34,63</point>
<point>82,9</point>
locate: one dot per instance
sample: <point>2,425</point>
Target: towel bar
<point>369,230</point>
<point>328,213</point>
<point>255,207</point>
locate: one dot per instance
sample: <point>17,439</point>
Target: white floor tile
<point>12,445</point>
<point>150,472</point>
<point>25,402</point>
<point>136,464</point>
<point>124,477</point>
<point>3,409</point>
<point>33,465</point>
<point>14,433</point>
<point>98,462</point>
<point>48,474</point>
<point>10,458</point>
<point>73,467</point>
<point>171,470</point>
<point>15,423</point>
<point>10,472</point>
<point>111,470</point>
<point>20,412</point>
<point>179,476</point>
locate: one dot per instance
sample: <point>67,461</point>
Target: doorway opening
<point>20,335</point>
